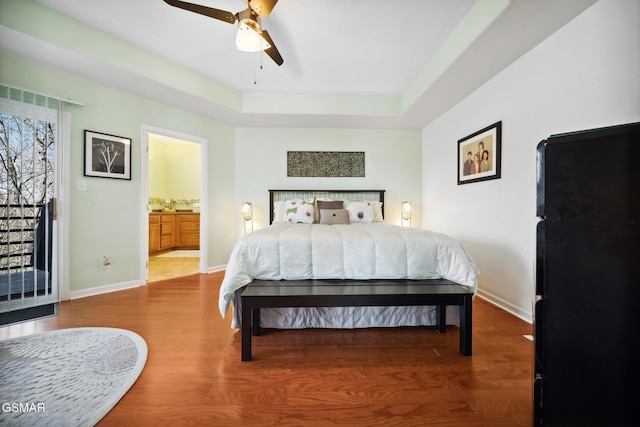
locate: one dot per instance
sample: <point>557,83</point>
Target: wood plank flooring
<point>369,377</point>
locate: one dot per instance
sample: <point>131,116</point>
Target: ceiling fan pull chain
<point>255,75</point>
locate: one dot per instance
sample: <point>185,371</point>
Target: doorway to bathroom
<point>174,199</point>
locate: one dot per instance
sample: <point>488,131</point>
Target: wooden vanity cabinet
<point>154,233</point>
<point>188,231</point>
<point>167,231</point>
<point>174,231</point>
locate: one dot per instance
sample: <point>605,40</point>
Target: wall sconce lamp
<point>247,216</point>
<point>406,214</point>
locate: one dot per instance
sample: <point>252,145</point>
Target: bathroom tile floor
<point>162,268</point>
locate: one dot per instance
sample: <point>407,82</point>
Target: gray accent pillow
<point>334,216</point>
<point>327,204</point>
<point>330,204</point>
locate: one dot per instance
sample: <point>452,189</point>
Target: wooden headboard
<point>279,195</point>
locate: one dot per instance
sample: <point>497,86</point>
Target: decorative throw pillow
<point>326,204</point>
<point>334,216</point>
<point>300,211</point>
<point>330,204</point>
<point>360,212</point>
<point>375,206</point>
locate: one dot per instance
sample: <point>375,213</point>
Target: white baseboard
<point>217,268</point>
<point>506,306</point>
<point>126,285</point>
<point>104,289</point>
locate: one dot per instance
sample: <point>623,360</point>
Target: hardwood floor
<point>367,377</point>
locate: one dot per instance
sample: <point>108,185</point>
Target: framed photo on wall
<point>107,156</point>
<point>479,155</point>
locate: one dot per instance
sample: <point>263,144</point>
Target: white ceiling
<point>413,58</point>
<point>338,46</point>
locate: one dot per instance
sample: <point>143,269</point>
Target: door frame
<point>146,130</point>
<point>63,241</point>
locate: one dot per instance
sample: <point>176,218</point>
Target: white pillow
<point>377,211</point>
<point>299,211</point>
<point>360,212</point>
<point>279,211</point>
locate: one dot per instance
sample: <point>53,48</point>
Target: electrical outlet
<point>105,262</point>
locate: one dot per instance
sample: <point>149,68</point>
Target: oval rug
<point>68,377</point>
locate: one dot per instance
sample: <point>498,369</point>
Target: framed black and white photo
<point>479,155</point>
<point>107,156</point>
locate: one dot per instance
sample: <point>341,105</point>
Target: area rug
<point>181,254</point>
<point>69,377</point>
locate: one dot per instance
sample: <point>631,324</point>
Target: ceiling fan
<point>250,37</point>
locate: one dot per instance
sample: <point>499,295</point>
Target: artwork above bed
<point>325,163</point>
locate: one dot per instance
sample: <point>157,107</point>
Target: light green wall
<point>392,163</point>
<point>157,170</point>
<point>183,171</point>
<point>105,219</point>
<point>174,170</point>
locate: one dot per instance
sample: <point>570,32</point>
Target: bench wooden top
<point>266,288</point>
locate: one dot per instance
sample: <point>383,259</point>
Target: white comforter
<point>354,251</point>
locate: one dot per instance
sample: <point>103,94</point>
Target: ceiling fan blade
<point>218,14</point>
<point>262,7</point>
<point>272,51</point>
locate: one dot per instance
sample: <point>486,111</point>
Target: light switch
<point>81,185</point>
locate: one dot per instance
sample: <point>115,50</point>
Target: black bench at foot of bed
<point>355,293</point>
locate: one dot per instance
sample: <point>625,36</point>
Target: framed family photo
<point>479,155</point>
<point>107,156</point>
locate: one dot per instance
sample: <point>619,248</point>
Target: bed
<point>341,236</point>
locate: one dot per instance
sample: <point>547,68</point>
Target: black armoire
<point>587,311</point>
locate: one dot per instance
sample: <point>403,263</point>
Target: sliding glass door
<point>28,159</point>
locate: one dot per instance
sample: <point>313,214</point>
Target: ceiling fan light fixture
<point>248,40</point>
<point>249,37</point>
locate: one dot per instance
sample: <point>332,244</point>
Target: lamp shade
<point>247,40</point>
<point>249,36</point>
<point>247,216</point>
<point>247,211</point>
<point>405,209</point>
